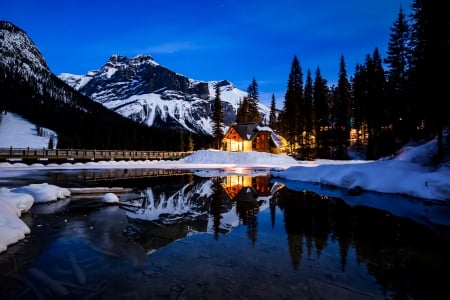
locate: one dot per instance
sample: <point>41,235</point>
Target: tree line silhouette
<point>376,111</point>
<point>380,109</point>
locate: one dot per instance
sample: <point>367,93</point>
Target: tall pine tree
<point>321,114</point>
<point>290,121</point>
<point>253,102</point>
<point>342,97</point>
<point>380,141</point>
<point>273,114</point>
<point>397,61</point>
<point>360,104</point>
<point>218,119</point>
<point>308,118</point>
<point>242,111</point>
<point>248,110</point>
<point>430,70</point>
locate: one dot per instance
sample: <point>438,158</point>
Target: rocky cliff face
<point>18,53</point>
<point>121,78</point>
<point>25,76</point>
<point>143,90</point>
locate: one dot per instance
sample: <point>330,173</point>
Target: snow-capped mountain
<point>29,89</point>
<point>141,89</point>
<point>17,50</point>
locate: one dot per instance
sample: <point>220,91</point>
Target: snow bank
<point>14,202</point>
<point>241,158</point>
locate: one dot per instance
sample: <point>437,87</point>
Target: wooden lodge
<point>253,137</point>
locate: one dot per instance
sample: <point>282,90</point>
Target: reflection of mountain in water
<point>214,205</point>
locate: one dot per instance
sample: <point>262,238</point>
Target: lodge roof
<point>248,130</point>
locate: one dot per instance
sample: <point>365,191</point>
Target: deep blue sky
<point>237,40</point>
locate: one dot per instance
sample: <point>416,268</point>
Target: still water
<point>185,236</point>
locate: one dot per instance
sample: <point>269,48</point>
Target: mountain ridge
<point>30,89</point>
<point>141,89</point>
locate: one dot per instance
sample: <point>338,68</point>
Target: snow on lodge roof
<point>279,141</point>
<point>249,130</point>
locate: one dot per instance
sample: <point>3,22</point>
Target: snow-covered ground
<point>17,132</point>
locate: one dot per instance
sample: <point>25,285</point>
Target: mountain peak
<point>148,93</point>
<point>117,60</point>
<point>17,50</point>
<point>5,25</point>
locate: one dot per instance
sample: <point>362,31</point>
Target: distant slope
<point>19,133</point>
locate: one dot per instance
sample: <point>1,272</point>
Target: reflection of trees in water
<point>247,212</point>
<point>402,255</point>
<point>218,205</point>
<point>304,219</point>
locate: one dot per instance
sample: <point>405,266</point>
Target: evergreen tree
<point>182,146</point>
<point>307,117</point>
<point>397,60</point>
<point>321,113</point>
<point>379,135</point>
<point>273,114</point>
<point>252,90</point>
<point>332,105</point>
<point>242,111</point>
<point>378,88</point>
<point>359,104</point>
<point>253,102</point>
<point>430,45</point>
<point>290,123</point>
<point>50,142</point>
<point>248,110</point>
<point>343,111</point>
<point>343,98</point>
<point>218,119</point>
<point>191,146</point>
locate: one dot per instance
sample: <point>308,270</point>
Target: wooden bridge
<point>33,154</point>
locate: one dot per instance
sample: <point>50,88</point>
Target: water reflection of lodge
<point>245,191</point>
<point>246,188</point>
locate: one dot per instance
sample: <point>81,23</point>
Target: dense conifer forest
<point>377,110</point>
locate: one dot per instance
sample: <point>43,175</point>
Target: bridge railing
<point>88,154</point>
